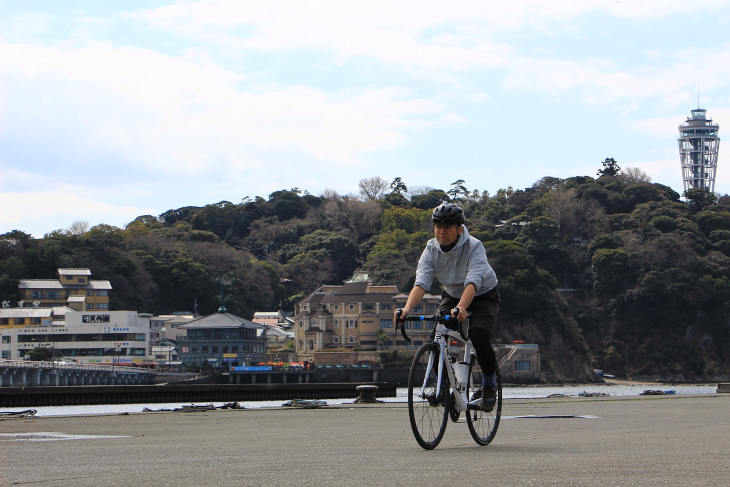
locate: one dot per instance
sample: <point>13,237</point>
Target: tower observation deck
<point>698,149</point>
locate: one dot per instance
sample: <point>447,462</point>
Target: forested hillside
<point>612,272</point>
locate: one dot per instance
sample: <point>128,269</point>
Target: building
<point>279,327</point>
<point>108,337</point>
<point>73,288</point>
<point>223,340</point>
<point>699,146</point>
<point>352,315</point>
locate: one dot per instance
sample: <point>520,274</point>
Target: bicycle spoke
<point>428,412</point>
<point>483,424</point>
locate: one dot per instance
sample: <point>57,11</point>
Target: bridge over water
<point>20,373</point>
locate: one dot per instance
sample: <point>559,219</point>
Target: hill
<point>611,272</point>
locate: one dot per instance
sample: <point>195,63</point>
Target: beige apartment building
<point>350,316</point>
<point>72,288</point>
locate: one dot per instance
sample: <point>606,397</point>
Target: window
<point>336,339</point>
<point>522,365</point>
<point>214,349</point>
<point>185,349</point>
<point>6,338</point>
<point>193,349</point>
<point>418,325</point>
<point>53,295</point>
<point>368,306</point>
<point>139,351</point>
<point>102,293</point>
<point>89,305</point>
<point>36,294</point>
<point>224,349</point>
<point>82,280</point>
<point>352,306</point>
<point>19,321</point>
<point>35,321</point>
<point>429,325</point>
<point>301,324</point>
<point>4,321</point>
<point>351,339</point>
<point>386,323</point>
<point>90,292</point>
<point>418,309</point>
<point>430,307</point>
<point>337,306</point>
<point>351,324</point>
<point>337,323</point>
<point>6,353</point>
<point>102,305</point>
<point>69,278</point>
<point>234,348</point>
<point>386,306</point>
<point>204,349</point>
<point>139,337</point>
<point>310,343</point>
<point>368,342</point>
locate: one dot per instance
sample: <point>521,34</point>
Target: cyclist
<point>470,284</point>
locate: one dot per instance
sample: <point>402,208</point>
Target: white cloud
<point>39,207</point>
<point>160,113</point>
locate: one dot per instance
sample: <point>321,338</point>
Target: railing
<point>58,365</point>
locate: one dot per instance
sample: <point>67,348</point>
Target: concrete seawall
<point>87,395</point>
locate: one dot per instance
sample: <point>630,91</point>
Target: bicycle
<point>436,393</point>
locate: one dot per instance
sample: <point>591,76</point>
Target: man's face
<point>446,234</point>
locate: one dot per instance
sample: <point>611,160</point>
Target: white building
<point>91,337</point>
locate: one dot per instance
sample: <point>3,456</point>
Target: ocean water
<point>523,392</point>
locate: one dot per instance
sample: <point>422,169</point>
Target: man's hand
<point>403,313</point>
<point>459,313</point>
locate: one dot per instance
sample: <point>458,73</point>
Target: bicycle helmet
<point>448,213</point>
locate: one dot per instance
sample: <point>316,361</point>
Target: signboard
<point>229,359</point>
<point>255,368</point>
<point>230,355</point>
<point>95,319</point>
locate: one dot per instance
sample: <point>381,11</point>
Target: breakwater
<point>136,394</point>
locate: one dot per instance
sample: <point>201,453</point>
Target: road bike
<point>437,393</point>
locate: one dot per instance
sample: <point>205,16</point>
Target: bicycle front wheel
<point>427,408</point>
<point>483,424</point>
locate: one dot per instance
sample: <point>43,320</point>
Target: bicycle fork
<point>458,373</point>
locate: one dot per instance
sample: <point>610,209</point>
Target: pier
<point>639,440</point>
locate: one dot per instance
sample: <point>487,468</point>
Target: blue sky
<point>111,110</point>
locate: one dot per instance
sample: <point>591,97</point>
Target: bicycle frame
<point>442,336</point>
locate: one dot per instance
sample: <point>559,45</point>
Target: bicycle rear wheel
<point>428,412</point>
<point>483,424</point>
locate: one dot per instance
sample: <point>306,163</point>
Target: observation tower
<point>698,149</point>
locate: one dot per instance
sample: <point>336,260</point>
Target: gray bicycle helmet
<point>448,213</point>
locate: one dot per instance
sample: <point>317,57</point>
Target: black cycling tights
<point>481,338</point>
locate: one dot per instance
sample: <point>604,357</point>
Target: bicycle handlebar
<point>441,317</point>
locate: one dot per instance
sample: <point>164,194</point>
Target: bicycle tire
<point>483,425</point>
<point>428,413</point>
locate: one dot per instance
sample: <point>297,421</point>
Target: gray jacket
<point>465,264</point>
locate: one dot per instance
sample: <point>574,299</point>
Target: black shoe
<point>484,399</point>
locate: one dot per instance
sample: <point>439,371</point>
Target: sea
<point>517,392</point>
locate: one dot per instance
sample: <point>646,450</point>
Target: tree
<point>458,190</point>
<point>40,354</point>
<point>610,168</point>
<point>398,187</point>
<point>383,337</point>
<point>373,188</point>
<point>698,198</point>
<point>631,175</point>
<point>78,227</point>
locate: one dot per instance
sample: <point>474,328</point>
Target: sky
<point>114,109</point>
